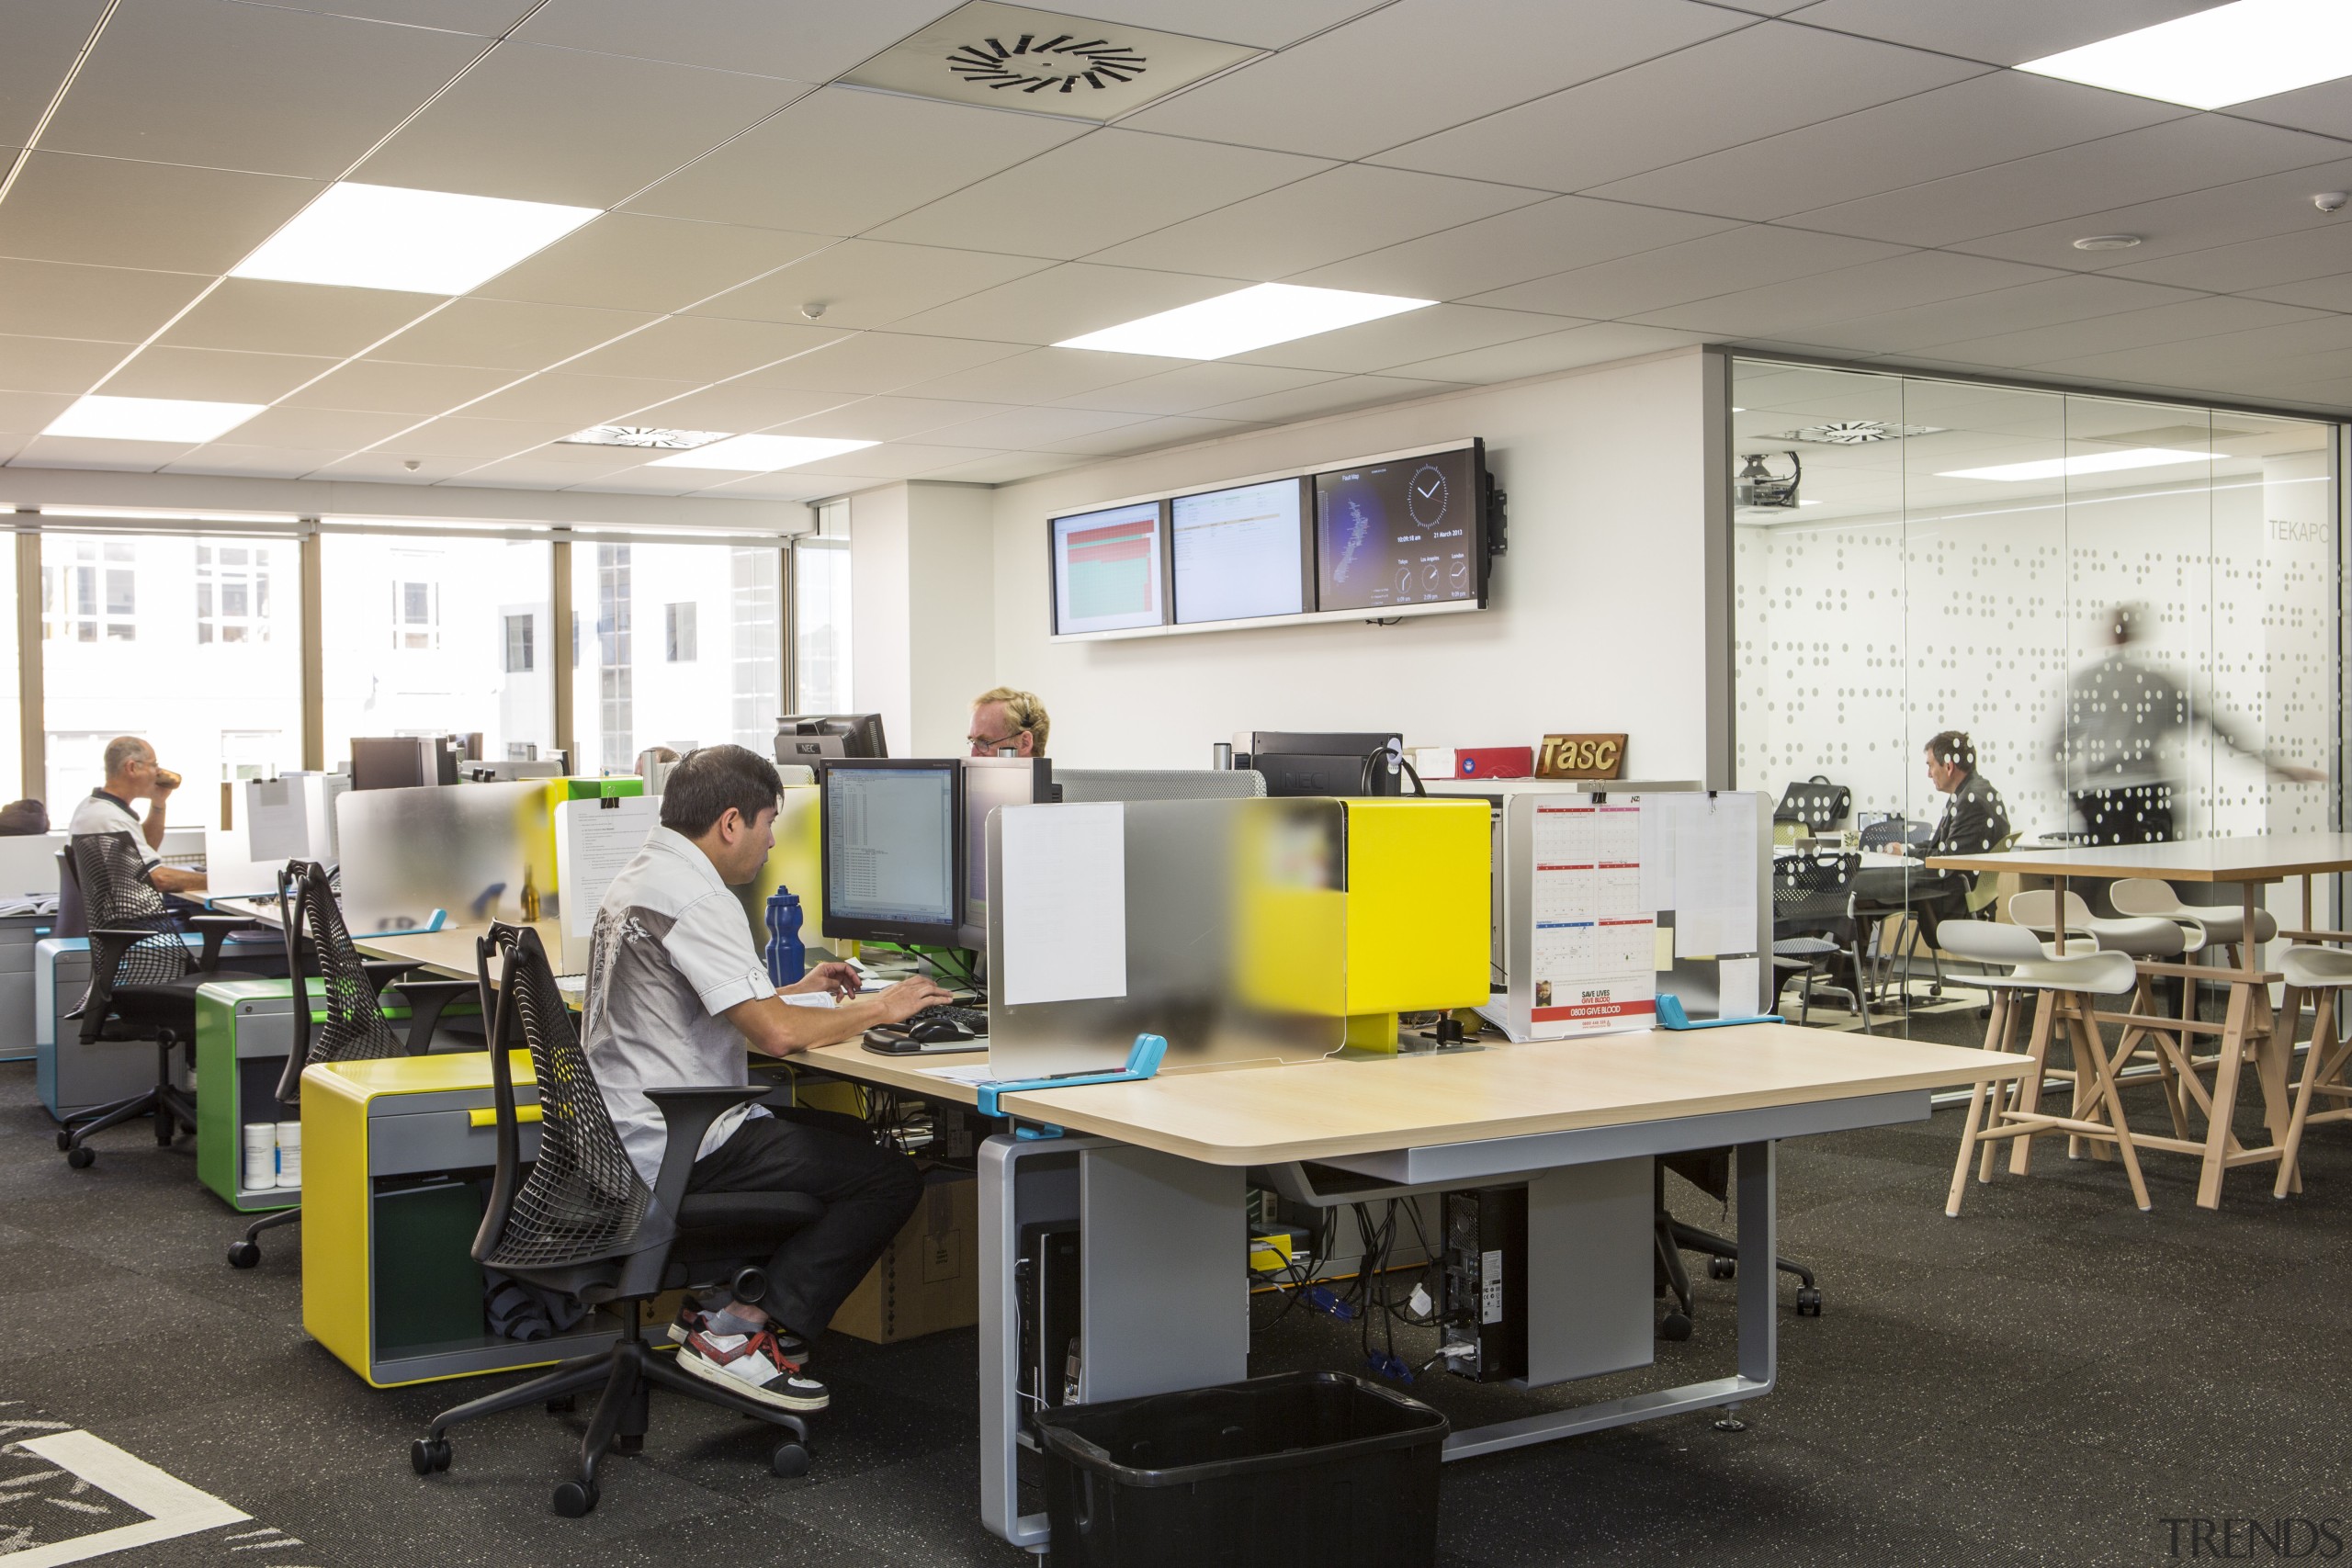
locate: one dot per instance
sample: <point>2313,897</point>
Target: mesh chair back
<point>1816,803</point>
<point>1812,892</point>
<point>582,1201</point>
<point>117,896</point>
<point>1886,835</point>
<point>352,1028</point>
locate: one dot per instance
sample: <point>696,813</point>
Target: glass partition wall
<point>2129,608</point>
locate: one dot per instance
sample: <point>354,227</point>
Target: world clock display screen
<point>1402,531</point>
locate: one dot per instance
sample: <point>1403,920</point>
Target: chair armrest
<point>426,998</point>
<point>215,930</point>
<point>686,1115</point>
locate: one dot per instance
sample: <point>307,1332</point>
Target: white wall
<point>1598,620</point>
<point>880,621</point>
<point>923,621</point>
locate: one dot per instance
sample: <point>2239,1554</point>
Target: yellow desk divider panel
<point>395,1156</point>
<point>1419,898</point>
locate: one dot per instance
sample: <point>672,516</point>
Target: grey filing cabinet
<point>19,1023</point>
<point>73,1077</point>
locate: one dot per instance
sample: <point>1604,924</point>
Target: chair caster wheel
<point>1677,1326</point>
<point>572,1500</point>
<point>564,1406</point>
<point>1721,1268</point>
<point>428,1455</point>
<point>790,1461</point>
<point>244,1254</point>
<point>64,1141</point>
<point>1808,1302</point>
<point>82,1158</point>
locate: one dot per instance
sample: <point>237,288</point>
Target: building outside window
<point>821,628</point>
<point>518,644</point>
<point>232,593</point>
<point>657,690</point>
<point>89,590</point>
<point>416,611</point>
<point>754,574</point>
<point>678,625</point>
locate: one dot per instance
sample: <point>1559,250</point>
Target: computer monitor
<point>989,783</point>
<point>1305,762</point>
<point>807,737</point>
<point>1242,553</point>
<point>1109,568</point>
<point>1403,531</point>
<point>402,761</point>
<point>891,838</point>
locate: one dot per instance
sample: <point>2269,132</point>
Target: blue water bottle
<point>787,959</point>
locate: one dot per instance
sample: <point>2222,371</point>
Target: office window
<point>820,630</point>
<point>518,645</point>
<point>12,761</point>
<point>195,673</point>
<point>89,590</point>
<point>232,593</point>
<point>450,647</point>
<point>754,574</point>
<point>679,628</point>
<point>657,690</point>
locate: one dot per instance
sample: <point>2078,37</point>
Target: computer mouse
<point>932,1030</point>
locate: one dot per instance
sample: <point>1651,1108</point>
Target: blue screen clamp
<point>1671,1016</point>
<point>1143,1062</point>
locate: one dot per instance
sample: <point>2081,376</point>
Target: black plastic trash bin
<point>1302,1469</point>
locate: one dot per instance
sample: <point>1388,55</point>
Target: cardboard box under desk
<point>929,1280</point>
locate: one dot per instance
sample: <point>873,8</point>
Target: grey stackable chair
<point>2326,970</point>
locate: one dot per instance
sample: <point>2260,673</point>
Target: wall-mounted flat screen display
<point>1108,569</point>
<point>1240,553</point>
<point>1402,531</point>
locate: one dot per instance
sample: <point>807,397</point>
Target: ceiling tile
<point>2202,317</point>
<point>480,440</point>
<point>738,406</point>
<point>842,160</point>
<point>1771,77</point>
<point>898,460</point>
<point>377,386</point>
<point>1148,435</point>
<point>42,41</point>
<point>1400,340</point>
<point>562,125</point>
<point>381,468</point>
<point>808,40</point>
<point>1322,219</point>
<point>2326,108</point>
<point>22,413</point>
<point>508,335</point>
<point>2139,166</point>
<point>702,348</point>
<point>1065,301</point>
<point>2320,293</point>
<point>553,468</point>
<point>259,87</point>
<point>879,362</point>
<point>868,283</point>
<point>1230,21</point>
<point>110,212</point>
<point>56,299</point>
<point>2000,32</point>
<point>886,419</point>
<point>1696,269</point>
<point>646,480</point>
<point>1969,125</point>
<point>1108,185</point>
<point>1918,277</point>
<point>579,401</point>
<point>1340,94</point>
<point>261,462</point>
<point>262,317</point>
<point>2177,225</point>
<point>1006,467</point>
<point>1041,376</point>
<point>320,430</point>
<point>1200,385</point>
<point>1534,241</point>
<point>483,19</point>
<point>624,262</point>
<point>2267,263</point>
<point>79,452</point>
<point>56,364</point>
<point>1016,429</point>
<point>215,375</point>
<point>2031,307</point>
<point>1570,350</point>
<point>788,484</point>
<point>1327,396</point>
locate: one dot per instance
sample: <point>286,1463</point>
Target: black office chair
<point>581,1222</point>
<point>349,992</point>
<point>142,983</point>
<point>1812,922</point>
<point>1710,1171</point>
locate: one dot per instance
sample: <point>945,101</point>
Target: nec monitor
<point>806,737</point>
<point>1296,763</point>
<point>1402,531</point>
<point>891,839</point>
<point>989,783</point>
<point>1109,568</point>
<point>1243,553</point>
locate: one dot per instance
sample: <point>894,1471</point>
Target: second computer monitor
<point>804,737</point>
<point>989,783</point>
<point>892,837</point>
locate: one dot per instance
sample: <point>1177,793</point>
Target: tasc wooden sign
<point>1582,757</point>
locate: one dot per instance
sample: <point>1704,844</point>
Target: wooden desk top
<point>1330,1109</point>
<point>2263,858</point>
<point>450,950</point>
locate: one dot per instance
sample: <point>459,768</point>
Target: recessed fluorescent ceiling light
<point>2227,55</point>
<point>1250,317</point>
<point>760,454</point>
<point>2089,463</point>
<point>641,435</point>
<point>150,419</point>
<point>419,242</point>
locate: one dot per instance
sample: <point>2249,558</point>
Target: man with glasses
<point>1007,722</point>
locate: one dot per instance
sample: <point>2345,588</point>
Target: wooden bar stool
<point>2145,939</point>
<point>2066,985</point>
<point>2327,971</point>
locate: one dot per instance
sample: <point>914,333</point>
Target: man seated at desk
<point>1975,822</point>
<point>676,991</point>
<point>132,774</point>
<point>1008,722</point>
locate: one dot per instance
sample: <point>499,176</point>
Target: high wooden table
<point>1152,1176</point>
<point>2248,1030</point>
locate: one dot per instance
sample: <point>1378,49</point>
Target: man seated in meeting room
<point>676,991</point>
<point>1975,822</point>
<point>1008,722</point>
<point>132,774</point>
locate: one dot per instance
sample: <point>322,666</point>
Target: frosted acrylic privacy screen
<point>1240,553</point>
<point>1108,569</point>
<point>1404,531</point>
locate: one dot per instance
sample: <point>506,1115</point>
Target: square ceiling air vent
<point>1043,63</point>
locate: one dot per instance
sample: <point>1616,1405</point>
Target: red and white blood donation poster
<point>1595,947</point>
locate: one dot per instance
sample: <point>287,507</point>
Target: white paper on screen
<point>1065,894</point>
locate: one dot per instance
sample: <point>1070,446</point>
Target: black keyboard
<point>973,1019</point>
